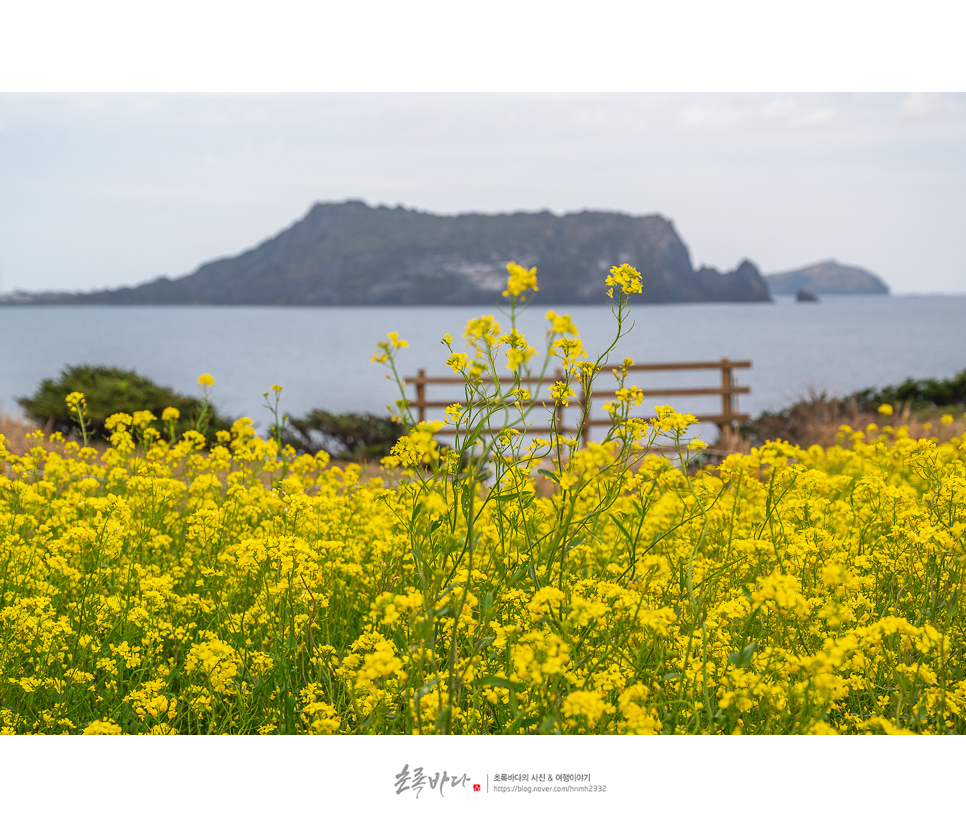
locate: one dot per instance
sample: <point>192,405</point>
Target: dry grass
<point>817,419</point>
<point>15,431</point>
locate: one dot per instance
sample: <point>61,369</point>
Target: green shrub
<point>110,390</point>
<point>816,416</point>
<point>344,436</point>
<point>916,393</point>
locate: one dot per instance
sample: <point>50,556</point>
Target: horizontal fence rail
<point>727,393</point>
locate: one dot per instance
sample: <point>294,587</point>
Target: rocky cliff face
<point>352,254</point>
<point>827,278</point>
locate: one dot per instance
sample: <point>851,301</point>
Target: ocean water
<point>321,356</point>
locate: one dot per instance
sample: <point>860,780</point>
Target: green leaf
<point>533,576</point>
<point>504,496</point>
<point>517,576</point>
<point>741,659</point>
<point>417,556</point>
<point>548,474</point>
<point>623,529</point>
<point>494,680</point>
<point>484,642</point>
<point>575,542</point>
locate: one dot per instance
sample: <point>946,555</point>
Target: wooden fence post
<point>726,403</point>
<point>421,394</point>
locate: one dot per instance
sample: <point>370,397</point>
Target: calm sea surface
<point>321,356</point>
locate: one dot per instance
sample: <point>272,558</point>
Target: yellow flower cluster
<point>518,352</point>
<point>561,324</point>
<point>520,280</point>
<point>626,279</point>
<point>418,447</point>
<point>481,333</point>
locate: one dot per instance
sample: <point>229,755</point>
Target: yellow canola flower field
<point>164,586</point>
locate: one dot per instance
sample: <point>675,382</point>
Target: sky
<point>103,190</point>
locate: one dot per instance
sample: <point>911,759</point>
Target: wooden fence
<point>726,419</point>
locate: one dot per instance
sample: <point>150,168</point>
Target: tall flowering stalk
<point>496,454</point>
<point>77,404</point>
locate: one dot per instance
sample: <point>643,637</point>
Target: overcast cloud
<point>100,190</point>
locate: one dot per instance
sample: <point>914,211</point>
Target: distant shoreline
<point>6,302</point>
